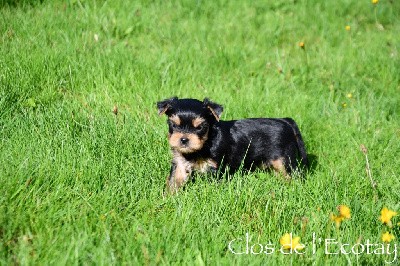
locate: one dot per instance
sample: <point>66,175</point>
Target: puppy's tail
<point>300,143</point>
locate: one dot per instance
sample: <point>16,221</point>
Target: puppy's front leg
<point>180,172</point>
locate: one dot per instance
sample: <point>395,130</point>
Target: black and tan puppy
<point>201,142</point>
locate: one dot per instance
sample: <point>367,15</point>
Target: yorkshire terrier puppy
<point>201,142</point>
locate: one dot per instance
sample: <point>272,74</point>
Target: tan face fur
<point>195,142</point>
<point>197,121</point>
<point>175,119</point>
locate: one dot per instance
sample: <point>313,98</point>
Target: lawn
<point>84,154</point>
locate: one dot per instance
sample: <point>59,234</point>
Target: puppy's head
<point>189,121</point>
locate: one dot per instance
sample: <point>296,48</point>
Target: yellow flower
<point>344,105</point>
<point>386,216</point>
<point>344,211</point>
<point>387,237</point>
<point>336,219</point>
<point>349,95</point>
<point>375,1</point>
<point>288,242</point>
<point>301,44</point>
<point>347,27</point>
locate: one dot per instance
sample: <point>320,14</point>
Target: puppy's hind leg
<point>278,165</point>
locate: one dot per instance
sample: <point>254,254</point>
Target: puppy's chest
<point>204,165</point>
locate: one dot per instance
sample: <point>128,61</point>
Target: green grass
<point>80,185</point>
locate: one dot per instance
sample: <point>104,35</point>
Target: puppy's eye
<point>200,127</point>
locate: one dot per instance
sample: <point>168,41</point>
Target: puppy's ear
<point>164,105</point>
<point>215,108</point>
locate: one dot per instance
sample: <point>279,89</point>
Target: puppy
<point>201,142</point>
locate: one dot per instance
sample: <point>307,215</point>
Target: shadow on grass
<point>312,163</point>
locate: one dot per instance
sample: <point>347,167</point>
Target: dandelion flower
<point>375,1</point>
<point>387,215</point>
<point>337,219</point>
<point>349,95</point>
<point>344,211</point>
<point>288,242</point>
<point>344,105</point>
<point>387,237</point>
<point>301,44</point>
<point>348,28</point>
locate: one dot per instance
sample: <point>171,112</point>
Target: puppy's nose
<point>184,140</point>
